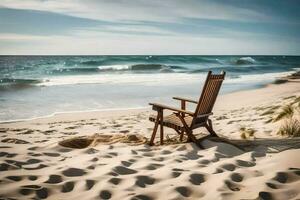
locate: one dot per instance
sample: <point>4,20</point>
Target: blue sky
<point>149,27</point>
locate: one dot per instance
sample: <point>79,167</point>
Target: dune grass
<point>290,127</point>
<point>297,102</point>
<point>286,112</point>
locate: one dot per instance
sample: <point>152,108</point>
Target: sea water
<point>35,86</point>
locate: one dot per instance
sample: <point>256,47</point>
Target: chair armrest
<point>185,99</point>
<point>204,115</point>
<point>161,106</point>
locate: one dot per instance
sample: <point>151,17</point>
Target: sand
<point>113,161</point>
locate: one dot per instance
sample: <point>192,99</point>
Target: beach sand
<point>117,164</point>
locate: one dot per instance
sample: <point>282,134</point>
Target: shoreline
<point>144,108</point>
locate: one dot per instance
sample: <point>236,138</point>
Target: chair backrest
<point>209,94</point>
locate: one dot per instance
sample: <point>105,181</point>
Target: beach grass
<point>286,112</point>
<point>290,127</point>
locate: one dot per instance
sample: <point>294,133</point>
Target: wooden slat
<point>209,94</point>
<point>173,121</point>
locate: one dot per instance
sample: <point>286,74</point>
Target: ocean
<point>36,86</point>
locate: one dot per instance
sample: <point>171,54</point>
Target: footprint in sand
<point>204,162</point>
<point>229,167</point>
<point>53,179</point>
<point>134,152</point>
<point>117,126</point>
<point>33,148</point>
<point>51,154</point>
<point>272,185</point>
<point>178,160</point>
<point>153,166</point>
<point>115,181</point>
<point>41,192</point>
<point>166,152</point>
<point>105,194</point>
<point>176,172</point>
<point>20,164</point>
<point>14,141</point>
<point>40,166</point>
<point>184,191</point>
<point>71,127</point>
<point>95,159</point>
<point>25,191</point>
<point>218,171</point>
<point>126,163</point>
<point>70,133</point>
<point>236,177</point>
<point>197,179</point>
<point>232,186</point>
<point>265,196</point>
<point>215,159</point>
<point>148,154</point>
<point>7,167</point>
<point>159,159</point>
<point>7,155</point>
<point>71,172</point>
<point>64,150</point>
<point>143,181</point>
<point>193,155</point>
<point>91,167</point>
<point>113,153</point>
<point>14,178</point>
<point>141,197</point>
<point>91,151</point>
<point>3,130</point>
<point>68,187</point>
<point>89,184</point>
<point>26,132</point>
<point>286,177</point>
<point>32,178</point>
<point>124,131</point>
<point>34,154</point>
<point>295,171</point>
<point>124,170</point>
<point>243,163</point>
<point>47,132</point>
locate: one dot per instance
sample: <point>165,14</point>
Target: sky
<point>149,27</point>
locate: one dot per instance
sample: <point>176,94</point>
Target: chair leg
<point>188,131</point>
<point>180,132</point>
<point>191,137</point>
<point>154,130</point>
<point>210,129</point>
<point>161,127</point>
<point>181,135</point>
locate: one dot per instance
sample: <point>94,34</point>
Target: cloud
<point>92,43</point>
<point>140,10</point>
<point>147,27</point>
<point>20,37</point>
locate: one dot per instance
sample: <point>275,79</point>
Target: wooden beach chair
<point>184,121</point>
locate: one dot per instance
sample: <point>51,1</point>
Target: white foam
<point>154,79</point>
<point>114,67</point>
<point>257,77</point>
<point>145,79</point>
<point>246,60</point>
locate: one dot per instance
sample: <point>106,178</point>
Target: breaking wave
<point>245,61</point>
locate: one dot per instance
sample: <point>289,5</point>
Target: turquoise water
<point>34,86</point>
